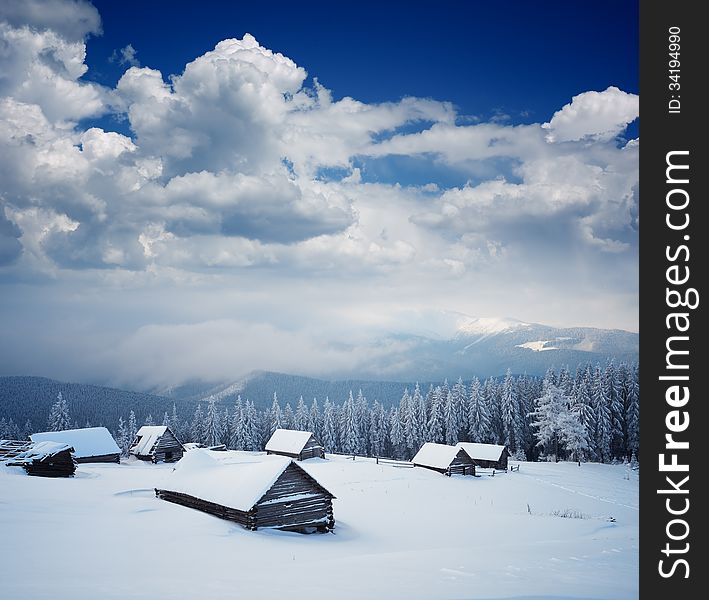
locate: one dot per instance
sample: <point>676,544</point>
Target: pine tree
<point>59,419</point>
<point>348,428</point>
<point>407,421</point>
<point>197,429</point>
<point>329,433</point>
<point>132,428</point>
<point>397,435</point>
<point>315,419</point>
<point>510,413</point>
<point>632,413</point>
<point>27,430</point>
<point>149,421</point>
<point>276,416</point>
<point>547,418</point>
<point>478,418</point>
<point>601,407</point>
<point>362,424</point>
<point>435,420</point>
<point>450,421</point>
<point>212,425</point>
<point>615,405</point>
<point>573,433</point>
<point>458,420</point>
<point>302,416</point>
<point>166,419</point>
<point>419,417</point>
<point>253,429</point>
<point>288,417</point>
<point>238,439</point>
<point>174,424</point>
<point>123,440</point>
<point>492,402</point>
<point>378,430</point>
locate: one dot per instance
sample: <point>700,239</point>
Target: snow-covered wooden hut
<point>157,443</point>
<point>91,444</point>
<point>448,460</point>
<point>487,456</point>
<point>293,443</point>
<point>257,492</point>
<point>45,459</point>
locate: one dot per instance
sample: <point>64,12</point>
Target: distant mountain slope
<point>23,398</point>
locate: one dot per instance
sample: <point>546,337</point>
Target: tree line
<point>591,415</point>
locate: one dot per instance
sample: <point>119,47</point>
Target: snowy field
<point>399,533</point>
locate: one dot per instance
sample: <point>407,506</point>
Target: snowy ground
<point>400,533</point>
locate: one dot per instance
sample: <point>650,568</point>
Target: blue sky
<point>186,174</point>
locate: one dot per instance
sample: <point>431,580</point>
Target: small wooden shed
<point>487,456</point>
<point>91,444</point>
<point>260,492</point>
<point>449,460</point>
<point>296,444</point>
<point>44,459</point>
<point>157,443</point>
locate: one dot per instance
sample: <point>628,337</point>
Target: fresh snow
<point>400,533</point>
<point>488,325</point>
<point>291,441</point>
<point>482,451</point>
<point>438,456</point>
<point>90,441</point>
<point>149,434</point>
<point>538,346</point>
<point>236,485</point>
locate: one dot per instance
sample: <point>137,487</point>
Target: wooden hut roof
<point>438,456</point>
<point>239,484</point>
<point>491,452</point>
<point>87,442</point>
<point>289,441</point>
<point>149,435</point>
<point>22,452</point>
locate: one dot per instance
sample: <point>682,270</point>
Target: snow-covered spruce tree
<point>407,420</point>
<point>315,419</point>
<point>478,419</point>
<point>149,420</point>
<point>253,425</point>
<point>238,435</point>
<point>614,392</point>
<point>174,424</point>
<point>59,419</point>
<point>27,430</point>
<point>224,432</point>
<point>288,417</point>
<point>212,424</point>
<point>122,438</point>
<point>435,420</point>
<point>573,434</point>
<point>511,418</point>
<point>377,430</point>
<point>197,429</point>
<point>329,432</point>
<point>275,416</point>
<point>547,416</point>
<point>491,393</point>
<point>419,417</point>
<point>362,424</point>
<point>632,412</point>
<point>166,419</point>
<point>302,415</point>
<point>450,421</point>
<point>397,435</point>
<point>348,428</point>
<point>132,428</point>
<point>459,399</point>
<point>601,407</point>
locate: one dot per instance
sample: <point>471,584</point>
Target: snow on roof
<point>236,485</point>
<point>439,456</point>
<point>148,434</point>
<point>291,441</point>
<point>90,441</point>
<point>19,453</point>
<point>482,451</point>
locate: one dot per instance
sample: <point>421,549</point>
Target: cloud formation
<point>240,174</point>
